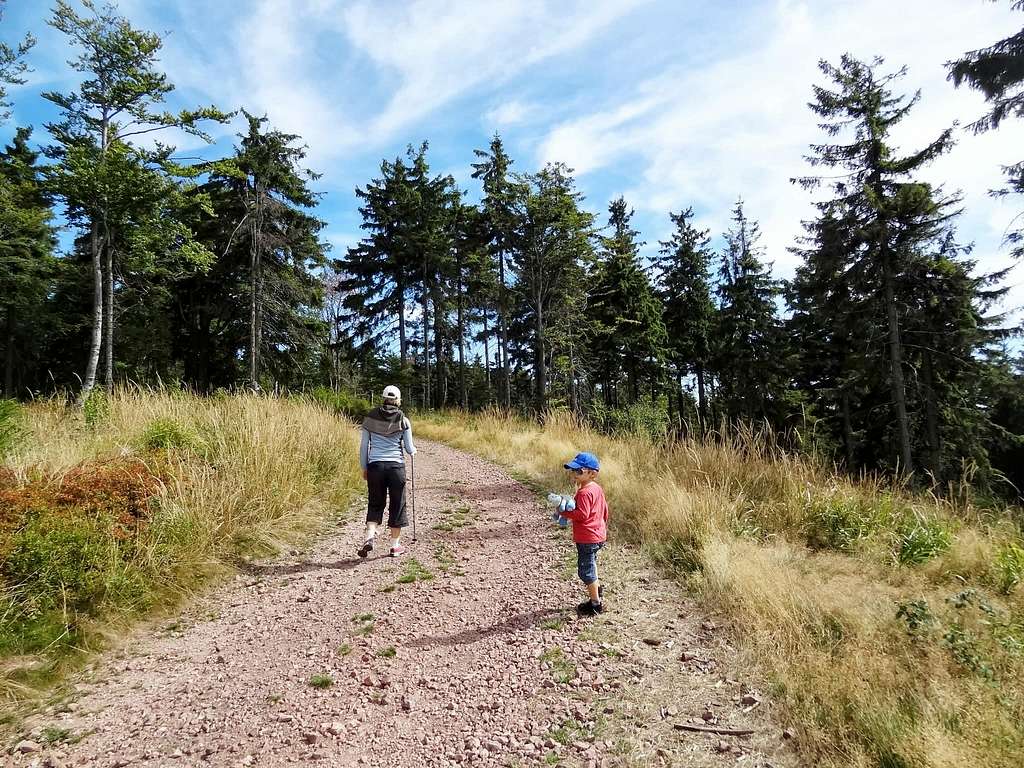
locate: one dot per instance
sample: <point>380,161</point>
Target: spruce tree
<point>550,252</point>
<point>12,67</point>
<point>26,260</point>
<point>998,72</point>
<point>628,316</point>
<point>893,216</point>
<point>750,354</point>
<point>501,205</point>
<point>684,286</point>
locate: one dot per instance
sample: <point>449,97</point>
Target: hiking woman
<point>386,431</point>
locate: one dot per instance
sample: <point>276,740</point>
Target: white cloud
<point>739,125</point>
<point>440,48</point>
<point>509,113</point>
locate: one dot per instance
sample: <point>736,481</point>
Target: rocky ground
<point>464,652</point>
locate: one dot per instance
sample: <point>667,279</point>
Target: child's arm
<point>584,508</point>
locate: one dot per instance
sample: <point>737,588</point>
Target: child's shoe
<point>396,551</point>
<point>366,549</point>
<point>589,608</point>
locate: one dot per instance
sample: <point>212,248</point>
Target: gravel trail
<point>465,651</point>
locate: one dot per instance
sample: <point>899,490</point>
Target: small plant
<point>570,731</point>
<point>562,670</point>
<point>344,649</point>
<point>455,518</point>
<point>53,735</point>
<point>839,522</point>
<point>360,618</point>
<point>918,540</point>
<point>554,623</point>
<point>274,698</point>
<point>321,681</point>
<point>387,653</point>
<point>414,571</point>
<point>364,622</point>
<point>388,589</point>
<point>96,408</point>
<point>1009,567</point>
<point>917,616</point>
<point>167,433</point>
<point>446,561</point>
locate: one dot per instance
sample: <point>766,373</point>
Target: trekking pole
<point>412,470</point>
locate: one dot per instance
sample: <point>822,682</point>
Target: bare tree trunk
<point>255,284</point>
<point>932,417</point>
<point>899,395</point>
<point>426,351</point>
<point>540,364</point>
<point>487,359</point>
<point>108,313</point>
<point>506,381</point>
<point>403,343</point>
<point>9,352</point>
<point>461,322</point>
<point>97,318</point>
<point>702,399</point>
<point>847,428</point>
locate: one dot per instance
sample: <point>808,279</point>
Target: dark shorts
<point>386,482</point>
<point>586,561</point>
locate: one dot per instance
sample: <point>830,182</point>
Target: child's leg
<point>586,566</point>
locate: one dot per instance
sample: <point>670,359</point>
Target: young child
<point>589,527</point>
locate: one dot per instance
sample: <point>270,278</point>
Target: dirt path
<point>478,661</point>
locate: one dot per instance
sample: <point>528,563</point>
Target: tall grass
<point>891,624</point>
<point>136,503</point>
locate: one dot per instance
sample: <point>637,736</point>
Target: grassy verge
<point>892,625</point>
<point>123,510</point>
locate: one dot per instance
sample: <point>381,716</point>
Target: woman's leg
<point>396,509</point>
<point>376,493</point>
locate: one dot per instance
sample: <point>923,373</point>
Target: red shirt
<point>590,518</point>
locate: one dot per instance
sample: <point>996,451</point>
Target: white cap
<point>391,392</point>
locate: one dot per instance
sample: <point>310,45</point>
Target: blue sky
<point>669,103</point>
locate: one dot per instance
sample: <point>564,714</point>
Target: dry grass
<point>234,477</point>
<point>891,624</point>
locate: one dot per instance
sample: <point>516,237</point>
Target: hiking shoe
<point>396,551</point>
<point>366,549</point>
<point>587,608</point>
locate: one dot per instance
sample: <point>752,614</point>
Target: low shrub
<point>12,429</point>
<point>342,403</point>
<point>166,433</point>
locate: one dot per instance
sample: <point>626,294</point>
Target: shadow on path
<point>304,567</point>
<point>513,624</point>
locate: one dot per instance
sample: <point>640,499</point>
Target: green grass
<point>446,561</point>
<point>562,669</point>
<point>413,571</point>
<point>321,681</point>
<point>360,618</point>
<point>344,649</point>
<point>387,653</point>
<point>555,622</point>
<point>455,518</point>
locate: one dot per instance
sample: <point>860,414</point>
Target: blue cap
<point>584,461</point>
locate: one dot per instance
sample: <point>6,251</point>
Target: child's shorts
<point>586,561</point>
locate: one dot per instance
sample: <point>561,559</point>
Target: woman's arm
<point>364,450</point>
<point>410,447</point>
